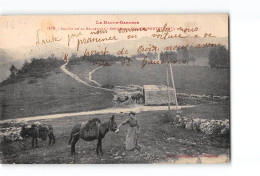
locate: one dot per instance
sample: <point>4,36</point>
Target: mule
<point>38,131</point>
<point>137,98</point>
<point>103,128</point>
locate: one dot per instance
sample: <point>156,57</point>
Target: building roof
<point>156,87</point>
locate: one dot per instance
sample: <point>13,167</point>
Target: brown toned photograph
<point>115,89</point>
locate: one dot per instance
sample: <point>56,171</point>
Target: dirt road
<point>137,109</point>
<point>63,68</point>
<point>115,110</point>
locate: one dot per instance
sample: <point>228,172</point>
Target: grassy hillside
<point>42,88</point>
<point>193,80</point>
<point>48,91</point>
<point>188,79</point>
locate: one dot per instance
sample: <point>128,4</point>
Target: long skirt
<point>131,138</point>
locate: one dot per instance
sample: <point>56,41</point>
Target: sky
<point>21,31</point>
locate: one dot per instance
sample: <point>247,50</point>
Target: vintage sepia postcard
<point>114,89</point>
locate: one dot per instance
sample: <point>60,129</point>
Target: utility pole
<point>173,86</point>
<point>167,76</point>
<point>169,99</point>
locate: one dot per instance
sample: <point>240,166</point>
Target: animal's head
<point>43,132</point>
<point>97,120</point>
<point>23,132</point>
<point>112,124</point>
<point>131,114</point>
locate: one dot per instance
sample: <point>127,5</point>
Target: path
<point>136,109</point>
<point>90,76</point>
<point>63,68</point>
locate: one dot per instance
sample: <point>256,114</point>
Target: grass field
<point>55,93</point>
<point>219,110</point>
<point>158,141</point>
<point>188,79</point>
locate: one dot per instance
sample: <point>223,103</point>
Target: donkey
<point>38,131</point>
<point>137,98</point>
<point>103,128</point>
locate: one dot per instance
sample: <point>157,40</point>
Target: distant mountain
<point>4,57</point>
<point>199,54</point>
<point>59,50</point>
<point>26,53</point>
<point>132,45</point>
<point>4,68</point>
<point>18,55</point>
<point>6,61</point>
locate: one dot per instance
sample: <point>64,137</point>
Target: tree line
<point>37,68</point>
<point>74,59</point>
<point>218,56</point>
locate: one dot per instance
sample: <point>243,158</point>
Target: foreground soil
<point>160,141</point>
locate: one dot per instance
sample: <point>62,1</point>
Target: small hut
<point>157,95</point>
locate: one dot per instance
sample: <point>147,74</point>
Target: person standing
<point>132,131</point>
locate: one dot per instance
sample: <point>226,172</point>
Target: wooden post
<point>169,99</point>
<point>173,86</point>
<point>167,76</point>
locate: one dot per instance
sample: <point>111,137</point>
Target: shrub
<point>95,58</point>
<point>108,86</point>
<point>32,81</point>
<point>37,68</point>
<point>219,57</point>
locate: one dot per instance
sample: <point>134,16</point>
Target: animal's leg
<point>36,139</point>
<point>75,140</point>
<point>53,138</point>
<point>50,137</point>
<point>101,147</point>
<point>98,145</point>
<point>32,142</point>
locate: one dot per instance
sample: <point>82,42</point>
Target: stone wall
<point>11,131</point>
<point>157,95</point>
<point>206,126</point>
